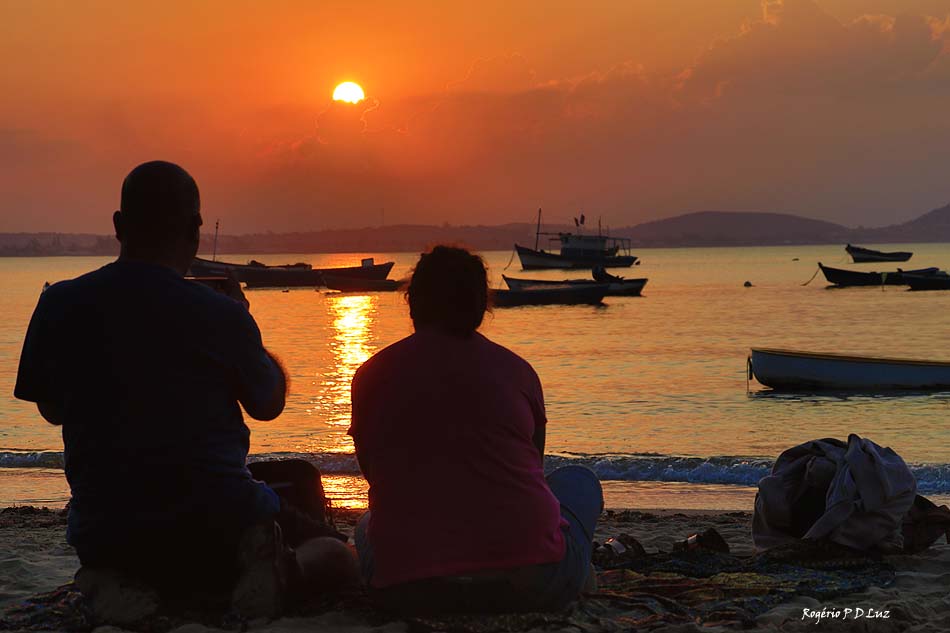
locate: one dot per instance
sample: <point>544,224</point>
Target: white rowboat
<point>790,370</point>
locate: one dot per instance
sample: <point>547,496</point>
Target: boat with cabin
<point>790,370</point>
<point>577,250</point>
<point>862,255</point>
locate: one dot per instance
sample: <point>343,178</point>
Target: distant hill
<point>933,226</point>
<point>703,228</point>
<point>727,228</point>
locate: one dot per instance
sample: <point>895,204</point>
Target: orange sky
<point>477,114</point>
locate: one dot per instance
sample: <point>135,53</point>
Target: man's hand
<point>232,288</point>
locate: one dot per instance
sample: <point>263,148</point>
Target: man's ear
<point>117,224</point>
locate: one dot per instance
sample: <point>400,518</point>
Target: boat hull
<point>285,276</point>
<point>787,370</point>
<point>842,278</point>
<point>541,260</point>
<point>865,255</point>
<point>939,281</point>
<point>624,288</point>
<point>561,295</point>
<point>357,284</point>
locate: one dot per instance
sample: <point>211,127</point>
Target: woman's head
<point>448,291</point>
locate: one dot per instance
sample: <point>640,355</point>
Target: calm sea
<point>649,391</point>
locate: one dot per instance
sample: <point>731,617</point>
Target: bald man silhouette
<point>144,370</point>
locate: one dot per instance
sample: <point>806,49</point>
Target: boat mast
<point>214,250</point>
<point>537,233</point>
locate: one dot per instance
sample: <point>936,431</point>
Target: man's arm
<point>52,412</point>
<point>38,372</point>
<point>265,399</point>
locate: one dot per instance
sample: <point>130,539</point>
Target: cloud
<point>799,49</point>
<point>502,73</point>
<point>797,111</point>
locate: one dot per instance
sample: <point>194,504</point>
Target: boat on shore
<point>578,250</point>
<point>939,280</point>
<point>257,275</point>
<point>862,255</point>
<point>843,278</point>
<point>790,370</point>
<point>563,295</point>
<point>358,284</point>
<point>616,286</point>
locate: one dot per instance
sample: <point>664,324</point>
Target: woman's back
<point>444,427</point>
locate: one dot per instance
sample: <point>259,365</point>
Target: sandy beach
<point>903,593</point>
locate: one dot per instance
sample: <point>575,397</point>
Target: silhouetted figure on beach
<point>145,371</point>
<point>449,429</point>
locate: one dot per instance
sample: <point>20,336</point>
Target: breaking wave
<point>741,471</point>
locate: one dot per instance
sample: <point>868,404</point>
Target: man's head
<point>448,291</point>
<point>158,219</point>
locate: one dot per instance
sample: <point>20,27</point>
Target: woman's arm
<point>538,440</point>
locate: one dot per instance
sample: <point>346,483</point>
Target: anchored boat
<point>789,370</point>
<point>862,255</point>
<point>578,250</point>
<point>258,275</point>
<point>939,280</point>
<point>616,286</point>
<point>566,295</point>
<point>842,278</point>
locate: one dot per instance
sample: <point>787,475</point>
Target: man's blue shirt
<point>147,369</point>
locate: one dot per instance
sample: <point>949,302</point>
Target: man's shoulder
<point>67,289</point>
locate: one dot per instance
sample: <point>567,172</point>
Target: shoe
<point>617,551</point>
<point>265,569</point>
<point>710,540</point>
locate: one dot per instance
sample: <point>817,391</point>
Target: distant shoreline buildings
<point>704,228</point>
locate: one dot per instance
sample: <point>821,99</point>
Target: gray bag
<point>853,494</point>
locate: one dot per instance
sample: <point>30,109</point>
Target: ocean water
<point>650,392</point>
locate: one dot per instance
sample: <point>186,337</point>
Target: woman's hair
<point>448,291</point>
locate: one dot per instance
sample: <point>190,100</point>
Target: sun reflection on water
<point>346,491</point>
<point>353,319</point>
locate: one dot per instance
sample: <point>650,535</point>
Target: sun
<point>349,92</point>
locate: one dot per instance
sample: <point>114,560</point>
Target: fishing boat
<point>939,280</point>
<point>616,286</point>
<point>201,265</point>
<point>842,278</point>
<point>257,275</point>
<point>357,284</point>
<point>577,250</point>
<point>789,370</point>
<point>567,295</point>
<point>862,255</point>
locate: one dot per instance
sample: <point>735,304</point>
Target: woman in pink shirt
<point>449,431</point>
